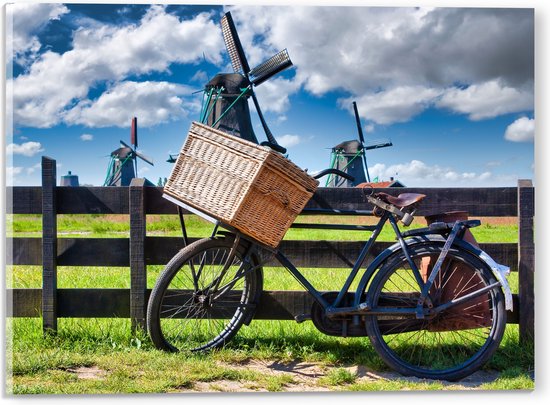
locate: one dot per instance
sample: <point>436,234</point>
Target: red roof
<point>381,184</point>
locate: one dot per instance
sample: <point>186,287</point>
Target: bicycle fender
<point>499,271</point>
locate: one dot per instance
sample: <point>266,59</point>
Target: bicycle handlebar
<point>334,171</point>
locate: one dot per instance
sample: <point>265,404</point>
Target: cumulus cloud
<point>521,130</point>
<point>487,100</point>
<point>32,169</point>
<point>376,52</point>
<point>110,53</point>
<point>273,95</point>
<point>288,141</point>
<point>11,174</point>
<point>25,20</point>
<point>26,149</point>
<point>399,104</point>
<point>395,61</point>
<point>419,174</point>
<point>152,102</point>
<point>86,137</point>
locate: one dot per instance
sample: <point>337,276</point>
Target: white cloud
<point>376,52</point>
<point>368,128</point>
<point>32,169</point>
<point>273,95</point>
<point>26,149</point>
<point>151,102</point>
<point>11,174</point>
<point>487,100</point>
<point>86,137</point>
<point>25,20</point>
<point>288,141</point>
<point>521,130</point>
<point>399,104</point>
<point>110,53</point>
<point>201,77</point>
<point>419,174</point>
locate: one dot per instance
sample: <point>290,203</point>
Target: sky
<point>451,88</point>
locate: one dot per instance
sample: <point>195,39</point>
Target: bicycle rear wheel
<point>455,342</point>
<point>203,297</point>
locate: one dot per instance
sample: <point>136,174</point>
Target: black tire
<point>450,345</point>
<point>184,314</point>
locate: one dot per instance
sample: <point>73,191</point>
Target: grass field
<point>102,356</point>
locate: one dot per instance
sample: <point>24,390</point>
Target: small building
<point>69,180</point>
<point>382,184</point>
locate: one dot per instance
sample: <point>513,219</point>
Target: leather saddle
<point>402,200</point>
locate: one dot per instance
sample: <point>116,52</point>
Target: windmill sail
<point>350,157</point>
<point>226,107</point>
<point>123,164</point>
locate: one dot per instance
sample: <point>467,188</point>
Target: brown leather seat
<point>402,200</point>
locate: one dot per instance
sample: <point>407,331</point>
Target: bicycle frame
<point>335,308</point>
<point>421,311</point>
<point>363,308</point>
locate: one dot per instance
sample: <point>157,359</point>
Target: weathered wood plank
<point>115,303</point>
<point>498,201</point>
<point>526,260</point>
<point>49,245</point>
<point>138,268</point>
<point>158,205</point>
<point>114,252</point>
<point>93,200</point>
<point>111,252</point>
<point>25,200</point>
<point>159,250</point>
<point>476,201</point>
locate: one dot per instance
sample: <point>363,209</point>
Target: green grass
<point>98,225</point>
<point>129,363</point>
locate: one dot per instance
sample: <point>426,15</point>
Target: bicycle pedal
<point>302,317</point>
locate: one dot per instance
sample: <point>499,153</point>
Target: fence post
<point>138,269</point>
<point>526,260</point>
<point>49,246</point>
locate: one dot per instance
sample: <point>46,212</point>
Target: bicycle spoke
<point>189,315</point>
<point>443,343</point>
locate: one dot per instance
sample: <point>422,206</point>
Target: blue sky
<point>452,88</point>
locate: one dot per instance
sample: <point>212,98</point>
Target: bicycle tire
<point>185,314</point>
<point>456,342</point>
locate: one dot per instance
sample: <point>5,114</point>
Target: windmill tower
<point>350,157</point>
<point>123,164</point>
<point>227,94</point>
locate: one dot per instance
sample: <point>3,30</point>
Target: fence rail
<point>139,250</point>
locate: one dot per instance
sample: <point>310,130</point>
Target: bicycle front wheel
<point>451,344</point>
<point>203,297</point>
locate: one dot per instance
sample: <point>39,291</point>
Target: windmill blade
<point>125,145</point>
<point>134,133</point>
<point>377,145</point>
<point>361,140</point>
<point>277,63</point>
<point>233,45</point>
<point>268,133</point>
<point>144,158</point>
<point>358,122</point>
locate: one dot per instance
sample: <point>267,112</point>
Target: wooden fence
<point>139,250</point>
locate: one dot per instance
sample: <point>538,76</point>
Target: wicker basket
<point>239,183</point>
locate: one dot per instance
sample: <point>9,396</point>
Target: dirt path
<point>305,377</point>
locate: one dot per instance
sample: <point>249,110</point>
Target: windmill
<point>227,94</point>
<point>123,164</point>
<point>350,157</point>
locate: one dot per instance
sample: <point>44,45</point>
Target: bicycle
<point>432,305</point>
